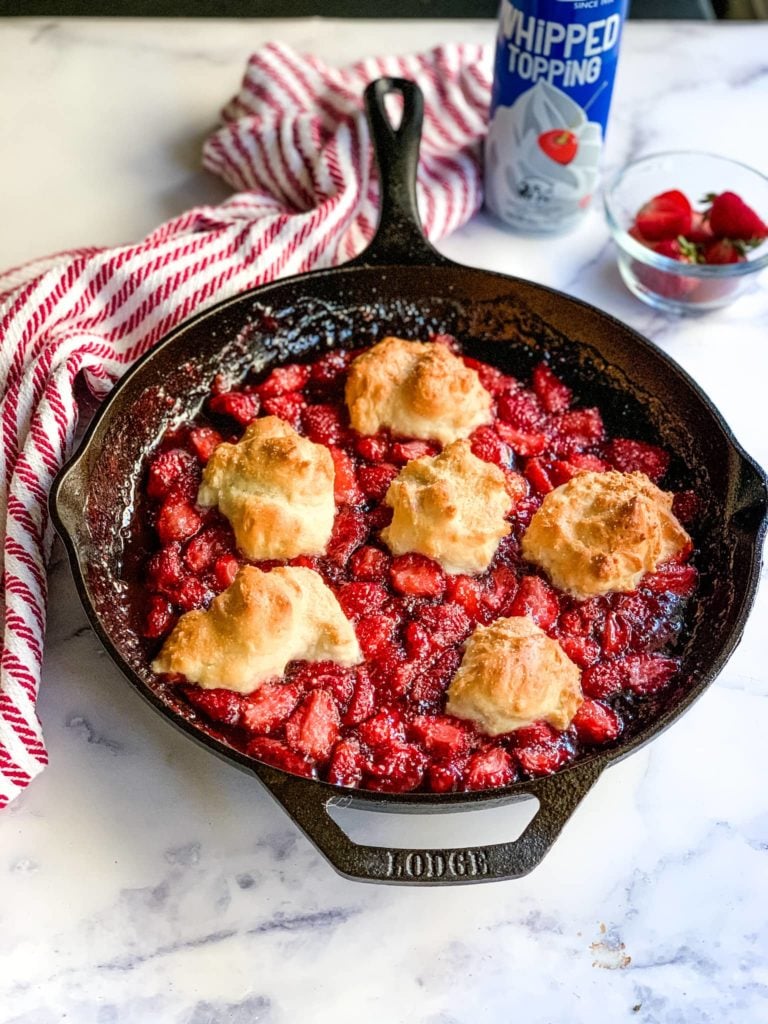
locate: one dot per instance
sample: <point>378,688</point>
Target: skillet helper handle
<point>399,238</point>
<point>307,802</point>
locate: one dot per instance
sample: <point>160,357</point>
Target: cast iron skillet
<point>401,285</point>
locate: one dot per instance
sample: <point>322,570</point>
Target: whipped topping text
<point>567,54</point>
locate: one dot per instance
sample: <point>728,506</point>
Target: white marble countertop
<point>142,880</point>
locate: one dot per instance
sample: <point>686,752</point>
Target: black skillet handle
<point>308,801</point>
<point>399,238</point>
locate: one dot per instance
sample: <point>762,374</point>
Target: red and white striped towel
<point>294,144</point>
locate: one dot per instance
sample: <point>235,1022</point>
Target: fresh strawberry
<point>203,441</point>
<point>536,599</point>
<point>386,726</point>
<point>349,531</point>
<point>446,624</point>
<point>173,472</point>
<point>489,768</point>
<point>313,728</point>
<point>596,723</point>
<point>284,379</point>
<point>275,753</point>
<point>345,487</point>
<point>700,232</point>
<point>358,599</point>
<point>177,520</point>
<point>730,217</point>
<point>679,249</point>
<point>268,707</point>
<point>397,768</point>
<point>159,618</point>
<point>371,564</point>
<point>373,448</point>
<point>550,390</point>
<point>559,144</point>
<point>441,735</point>
<point>404,451</point>
<point>288,407</point>
<point>520,442</point>
<point>631,456</point>
<point>374,481</point>
<point>723,251</point>
<point>665,216</point>
<point>240,407</point>
<point>363,699</point>
<point>488,446</point>
<point>221,706</point>
<point>347,763</point>
<point>417,576</point>
<point>225,570</point>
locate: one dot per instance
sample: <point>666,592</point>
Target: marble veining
<point>141,879</point>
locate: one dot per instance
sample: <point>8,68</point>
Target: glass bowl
<point>660,280</point>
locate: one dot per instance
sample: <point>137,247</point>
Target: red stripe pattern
<point>294,145</point>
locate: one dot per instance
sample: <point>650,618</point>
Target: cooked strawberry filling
<point>382,725</point>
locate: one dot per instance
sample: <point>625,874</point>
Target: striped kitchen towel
<point>294,145</point>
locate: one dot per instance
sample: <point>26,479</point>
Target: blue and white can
<point>553,79</point>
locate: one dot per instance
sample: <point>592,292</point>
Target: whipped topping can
<point>553,78</point>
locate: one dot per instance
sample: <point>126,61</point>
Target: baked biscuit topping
<point>450,507</point>
<point>276,489</point>
<point>255,627</point>
<point>512,675</point>
<point>417,389</point>
<point>603,532</point>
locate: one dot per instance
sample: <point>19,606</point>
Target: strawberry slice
<point>404,451</point>
<point>447,776</point>
<point>488,446</point>
<point>313,728</point>
<point>489,768</point>
<point>372,449</point>
<point>730,217</point>
<point>550,390</point>
<point>345,487</point>
<point>322,424</point>
<point>629,456</point>
<point>445,624</point>
<point>204,441</point>
<point>542,759</point>
<point>347,763</point>
<point>494,381</point>
<point>596,723</point>
<point>237,405</point>
<point>358,599</point>
<point>428,687</point>
<point>362,703</point>
<point>417,576</point>
<point>385,727</point>
<point>177,520</point>
<point>349,531</point>
<point>269,706</point>
<point>173,472</point>
<point>224,571</point>
<point>284,379</point>
<point>519,441</point>
<point>275,753</point>
<point>165,570</point>
<point>375,633</point>
<point>672,579</point>
<point>641,673</point>
<point>536,599</point>
<point>159,618</point>
<point>325,675</point>
<point>581,650</point>
<point>520,408</point>
<point>331,366</point>
<point>665,216</point>
<point>221,706</point>
<point>371,564</point>
<point>288,407</point>
<point>397,767</point>
<point>441,735</point>
<point>374,481</point>
<point>538,476</point>
<point>466,591</point>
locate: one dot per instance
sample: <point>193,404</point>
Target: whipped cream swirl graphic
<point>524,185</point>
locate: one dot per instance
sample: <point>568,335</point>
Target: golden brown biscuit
<point>418,389</point>
<point>603,532</point>
<point>255,627</point>
<point>276,488</point>
<point>450,507</point>
<point>512,674</point>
